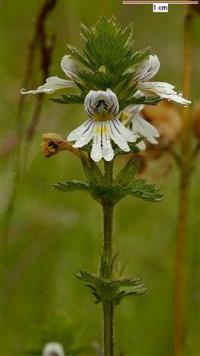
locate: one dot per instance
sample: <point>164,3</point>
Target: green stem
<point>108,307</point>
<point>108,168</point>
<point>108,313</point>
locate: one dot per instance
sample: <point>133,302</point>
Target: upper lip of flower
<point>70,67</point>
<point>148,69</point>
<point>101,103</point>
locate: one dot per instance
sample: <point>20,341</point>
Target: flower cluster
<point>106,126</point>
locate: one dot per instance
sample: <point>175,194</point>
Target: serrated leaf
<point>68,99</point>
<point>140,189</point>
<point>127,282</point>
<point>110,46</point>
<point>138,100</point>
<point>128,172</point>
<point>140,56</point>
<point>71,186</point>
<point>108,289</point>
<point>92,171</point>
<point>87,277</point>
<point>139,290</point>
<point>77,54</point>
<point>108,192</point>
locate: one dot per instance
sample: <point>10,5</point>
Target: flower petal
<point>101,103</point>
<point>86,136</point>
<point>116,136</point>
<point>107,149</point>
<point>134,109</point>
<point>52,84</point>
<point>141,145</point>
<point>164,90</point>
<point>78,132</point>
<point>70,67</point>
<point>127,134</point>
<point>145,129</point>
<point>96,152</point>
<point>148,69</point>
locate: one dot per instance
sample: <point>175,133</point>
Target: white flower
<point>140,127</point>
<point>102,126</point>
<point>69,67</point>
<point>146,71</point>
<point>164,90</point>
<point>53,349</point>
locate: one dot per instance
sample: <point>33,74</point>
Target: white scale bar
<point>146,2</point>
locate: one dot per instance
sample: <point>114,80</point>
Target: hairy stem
<point>108,307</point>
<point>185,169</point>
<point>108,313</point>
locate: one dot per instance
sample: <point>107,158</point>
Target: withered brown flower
<point>54,143</point>
<point>167,120</point>
<point>157,160</point>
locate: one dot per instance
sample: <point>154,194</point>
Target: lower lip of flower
<point>101,130</point>
<point>103,117</point>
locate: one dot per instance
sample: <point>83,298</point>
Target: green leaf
<point>113,193</point>
<point>69,99</point>
<point>101,288</point>
<point>107,45</point>
<point>138,290</point>
<point>140,189</point>
<point>109,289</point>
<point>71,186</point>
<point>140,56</point>
<point>88,277</point>
<point>128,172</point>
<point>138,100</point>
<point>92,171</point>
<point>77,54</point>
<point>105,191</point>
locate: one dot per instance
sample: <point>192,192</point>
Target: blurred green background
<point>52,234</point>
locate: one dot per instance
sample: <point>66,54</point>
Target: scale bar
<point>151,2</point>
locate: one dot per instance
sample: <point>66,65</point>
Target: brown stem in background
<point>39,39</point>
<point>196,151</point>
<point>46,51</point>
<point>183,193</point>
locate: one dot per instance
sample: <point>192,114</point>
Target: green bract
<point>111,290</point>
<point>107,59</point>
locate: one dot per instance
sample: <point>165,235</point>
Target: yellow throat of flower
<point>103,117</point>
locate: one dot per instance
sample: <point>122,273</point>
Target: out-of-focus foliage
<point>53,235</point>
